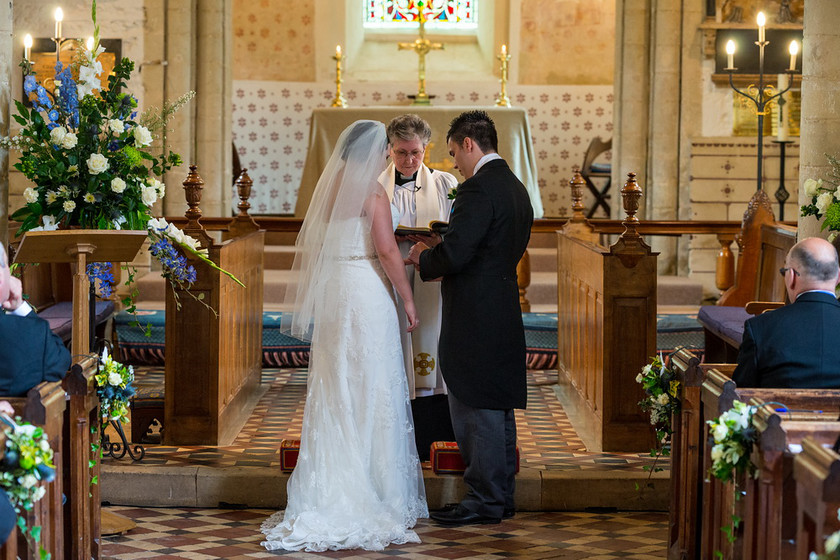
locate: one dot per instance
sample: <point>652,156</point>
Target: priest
<point>420,196</point>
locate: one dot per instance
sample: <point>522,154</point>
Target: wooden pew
<point>817,473</point>
<point>607,295</point>
<point>213,377</point>
<point>44,405</point>
<point>82,510</point>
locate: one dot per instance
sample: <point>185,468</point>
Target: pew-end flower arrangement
<point>26,465</point>
<point>831,547</point>
<point>825,199</point>
<point>115,387</point>
<point>661,400</point>
<point>92,163</point>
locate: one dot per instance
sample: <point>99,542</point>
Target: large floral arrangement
<point>27,462</point>
<point>91,160</point>
<point>733,434</point>
<point>825,200</point>
<point>114,387</point>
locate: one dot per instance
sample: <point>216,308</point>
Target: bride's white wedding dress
<point>358,481</point>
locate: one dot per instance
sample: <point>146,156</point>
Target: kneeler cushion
<point>446,458</point>
<point>289,449</point>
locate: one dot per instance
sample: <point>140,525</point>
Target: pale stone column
<point>820,99</point>
<point>214,82</point>
<point>632,96</point>
<point>7,66</point>
<point>179,38</point>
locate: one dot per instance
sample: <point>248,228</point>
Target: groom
<point>482,341</point>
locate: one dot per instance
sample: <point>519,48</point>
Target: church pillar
<point>7,66</point>
<point>632,93</point>
<point>213,115</point>
<point>820,99</point>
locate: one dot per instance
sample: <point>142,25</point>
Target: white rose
<point>97,163</point>
<point>116,126</point>
<point>663,399</point>
<point>29,481</point>
<point>114,378</point>
<point>720,432</point>
<point>117,185</point>
<point>149,195</point>
<point>824,201</point>
<point>717,452</point>
<point>69,206</point>
<point>69,141</point>
<point>30,194</point>
<point>44,445</point>
<point>142,136</point>
<point>57,135</point>
<point>832,542</point>
<point>812,187</point>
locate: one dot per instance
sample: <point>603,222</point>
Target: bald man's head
<point>815,265</point>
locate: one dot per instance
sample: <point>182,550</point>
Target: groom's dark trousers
<point>482,340</point>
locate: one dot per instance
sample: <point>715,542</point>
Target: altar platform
<point>557,472</point>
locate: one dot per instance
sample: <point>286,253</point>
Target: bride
<point>358,482</point>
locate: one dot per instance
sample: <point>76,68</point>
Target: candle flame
<point>338,50</point>
<point>794,48</point>
<point>760,19</point>
<point>27,41</point>
<point>730,47</point>
<point>504,49</point>
<point>59,14</point>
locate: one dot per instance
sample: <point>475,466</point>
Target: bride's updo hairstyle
<point>357,143</point>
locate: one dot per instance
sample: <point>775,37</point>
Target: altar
<point>511,123</point>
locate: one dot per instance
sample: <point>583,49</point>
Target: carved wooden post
<point>242,223</point>
<point>193,185</point>
<point>578,226</point>
<point>725,269</point>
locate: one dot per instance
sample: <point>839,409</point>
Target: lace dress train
<point>358,481</point>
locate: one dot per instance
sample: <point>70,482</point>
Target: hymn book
<point>435,226</point>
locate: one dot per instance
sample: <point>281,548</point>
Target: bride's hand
<point>411,314</point>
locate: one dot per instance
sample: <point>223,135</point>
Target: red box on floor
<point>446,458</point>
<point>289,450</point>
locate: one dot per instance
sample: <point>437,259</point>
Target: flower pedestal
<point>81,246</point>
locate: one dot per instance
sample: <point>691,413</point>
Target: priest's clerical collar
<point>401,179</point>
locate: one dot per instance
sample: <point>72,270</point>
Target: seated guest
<point>796,346</point>
<point>29,351</point>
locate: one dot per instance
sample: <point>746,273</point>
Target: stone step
<point>279,257</point>
<point>543,259</point>
<point>678,290</point>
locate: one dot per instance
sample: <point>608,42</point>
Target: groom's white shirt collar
<point>485,159</point>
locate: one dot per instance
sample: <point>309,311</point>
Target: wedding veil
<point>347,182</point>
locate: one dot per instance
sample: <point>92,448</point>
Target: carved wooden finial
<point>577,183</point>
<point>193,185</point>
<point>630,246</point>
<point>630,194</point>
<point>243,187</point>
<point>243,223</point>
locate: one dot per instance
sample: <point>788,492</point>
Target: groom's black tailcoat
<point>482,340</point>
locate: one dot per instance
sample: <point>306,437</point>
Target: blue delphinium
<point>67,98</point>
<point>174,264</point>
<point>102,272</point>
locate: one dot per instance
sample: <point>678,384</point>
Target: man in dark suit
<point>482,341</point>
<point>796,345</point>
<point>29,351</point>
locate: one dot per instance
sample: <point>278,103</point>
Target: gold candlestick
<point>503,100</point>
<point>338,100</point>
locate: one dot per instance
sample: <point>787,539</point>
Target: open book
<point>435,226</point>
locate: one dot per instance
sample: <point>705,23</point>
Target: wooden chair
<point>591,170</point>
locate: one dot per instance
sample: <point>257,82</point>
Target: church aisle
<point>204,534</point>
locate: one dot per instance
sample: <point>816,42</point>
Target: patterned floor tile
<point>530,536</point>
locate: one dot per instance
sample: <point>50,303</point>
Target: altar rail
<point>213,373</point>
<point>606,326</point>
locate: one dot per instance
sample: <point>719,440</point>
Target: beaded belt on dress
<point>357,258</point>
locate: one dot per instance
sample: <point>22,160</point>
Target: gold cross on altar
<point>422,46</point>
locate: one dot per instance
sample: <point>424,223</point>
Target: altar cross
<point>422,46</point>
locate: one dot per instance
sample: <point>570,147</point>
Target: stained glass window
<point>404,14</point>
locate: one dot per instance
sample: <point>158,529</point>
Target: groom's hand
<point>414,253</point>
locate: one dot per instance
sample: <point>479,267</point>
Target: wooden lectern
<point>81,246</point>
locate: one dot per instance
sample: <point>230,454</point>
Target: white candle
<point>27,46</point>
<point>504,50</point>
<point>730,55</point>
<point>761,22</point>
<point>794,49</point>
<point>783,129</point>
<point>59,17</point>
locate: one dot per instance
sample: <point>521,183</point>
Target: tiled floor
<point>234,534</point>
<point>546,437</point>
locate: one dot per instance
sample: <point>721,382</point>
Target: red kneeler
<point>446,458</point>
<point>289,450</point>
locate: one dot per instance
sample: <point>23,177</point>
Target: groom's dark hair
<point>478,126</point>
